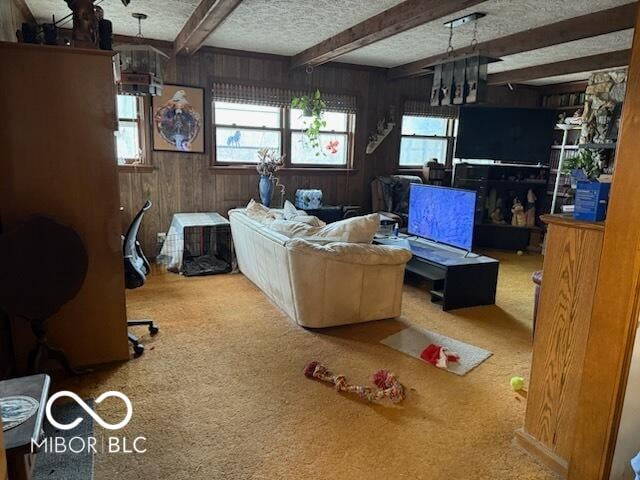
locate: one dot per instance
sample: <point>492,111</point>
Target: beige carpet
<point>220,393</point>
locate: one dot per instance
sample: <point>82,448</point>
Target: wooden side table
<point>17,440</point>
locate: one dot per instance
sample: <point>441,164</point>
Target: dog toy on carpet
<point>438,355</point>
<point>388,385</point>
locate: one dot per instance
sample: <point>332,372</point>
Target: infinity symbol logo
<point>89,410</point>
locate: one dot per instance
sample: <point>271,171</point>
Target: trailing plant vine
<point>312,106</point>
<point>586,160</point>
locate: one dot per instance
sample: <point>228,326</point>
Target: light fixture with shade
<point>140,65</point>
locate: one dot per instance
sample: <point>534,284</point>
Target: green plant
<point>586,160</point>
<point>312,106</point>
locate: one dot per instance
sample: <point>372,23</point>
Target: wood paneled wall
<point>182,182</point>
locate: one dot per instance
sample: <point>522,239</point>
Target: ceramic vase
<point>266,190</point>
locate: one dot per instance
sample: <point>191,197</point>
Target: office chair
<point>136,269</point>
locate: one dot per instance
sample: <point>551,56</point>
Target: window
<point>130,137</point>
<point>335,140</point>
<point>241,129</point>
<point>424,138</point>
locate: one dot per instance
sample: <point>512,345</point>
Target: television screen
<point>513,135</point>
<point>444,215</point>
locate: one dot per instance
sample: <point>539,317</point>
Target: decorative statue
<point>497,217</point>
<point>85,23</point>
<point>518,219</point>
<point>530,212</point>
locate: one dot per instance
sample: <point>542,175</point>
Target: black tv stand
<point>459,280</point>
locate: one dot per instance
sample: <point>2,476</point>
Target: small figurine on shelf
<point>497,218</point>
<point>530,212</point>
<point>517,210</point>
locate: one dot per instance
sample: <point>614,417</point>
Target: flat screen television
<point>511,135</point>
<point>444,215</point>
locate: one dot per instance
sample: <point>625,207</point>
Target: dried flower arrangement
<point>268,164</point>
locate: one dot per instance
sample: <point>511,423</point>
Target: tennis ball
<point>520,252</point>
<point>517,383</point>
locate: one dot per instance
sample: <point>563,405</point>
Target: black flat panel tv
<point>510,135</point>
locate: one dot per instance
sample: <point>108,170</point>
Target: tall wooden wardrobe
<point>57,158</point>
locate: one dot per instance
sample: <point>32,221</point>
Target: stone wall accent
<point>605,90</point>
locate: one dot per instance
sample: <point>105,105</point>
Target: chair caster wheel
<point>138,349</point>
<point>153,329</point>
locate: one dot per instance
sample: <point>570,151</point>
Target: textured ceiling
<point>503,18</point>
<point>166,18</point>
<point>287,27</point>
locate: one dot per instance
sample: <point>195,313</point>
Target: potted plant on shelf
<point>591,195</point>
<point>268,164</point>
<point>586,165</point>
<point>313,108</point>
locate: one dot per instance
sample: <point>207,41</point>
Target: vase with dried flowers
<point>269,162</point>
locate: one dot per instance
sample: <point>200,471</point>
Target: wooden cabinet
<point>57,158</point>
<point>570,272</point>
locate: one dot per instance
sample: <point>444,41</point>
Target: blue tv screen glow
<point>444,215</point>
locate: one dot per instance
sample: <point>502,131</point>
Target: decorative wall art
<point>178,119</point>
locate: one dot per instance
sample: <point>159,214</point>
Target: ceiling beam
<point>619,58</point>
<point>402,17</point>
<point>577,28</point>
<point>207,16</point>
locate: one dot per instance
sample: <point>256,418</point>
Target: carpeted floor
<point>220,393</point>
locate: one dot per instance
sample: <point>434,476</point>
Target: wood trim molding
<point>397,19</point>
<point>616,306</point>
<point>585,26</point>
<point>305,171</point>
<point>540,452</point>
<point>619,58</point>
<point>207,16</point>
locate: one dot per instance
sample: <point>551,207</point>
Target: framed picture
<point>178,119</point>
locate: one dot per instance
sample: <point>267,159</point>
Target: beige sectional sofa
<point>320,284</point>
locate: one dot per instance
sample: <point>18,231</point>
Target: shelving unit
<point>564,147</point>
<point>509,181</point>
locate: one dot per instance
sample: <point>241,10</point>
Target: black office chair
<point>136,269</point>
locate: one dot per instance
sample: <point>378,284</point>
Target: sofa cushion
<point>290,212</point>
<point>258,212</point>
<point>352,230</point>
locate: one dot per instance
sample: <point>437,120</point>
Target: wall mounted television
<point>444,215</point>
<point>509,135</point>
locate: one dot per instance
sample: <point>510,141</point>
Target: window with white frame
<point>130,137</point>
<point>335,140</point>
<point>424,138</point>
<point>243,129</point>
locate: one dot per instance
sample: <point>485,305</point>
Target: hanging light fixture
<point>140,65</point>
<point>463,79</point>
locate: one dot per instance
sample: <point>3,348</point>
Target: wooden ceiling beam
<point>619,58</point>
<point>577,28</point>
<point>402,17</point>
<point>207,16</point>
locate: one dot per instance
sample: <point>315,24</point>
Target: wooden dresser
<point>570,271</point>
<point>57,158</point>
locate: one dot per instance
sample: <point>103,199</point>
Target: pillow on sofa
<point>351,230</point>
<point>290,212</point>
<point>258,212</point>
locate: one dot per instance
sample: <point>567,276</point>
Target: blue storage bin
<point>591,201</point>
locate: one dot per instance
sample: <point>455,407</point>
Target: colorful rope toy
<point>388,385</point>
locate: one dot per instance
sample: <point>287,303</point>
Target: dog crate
<point>198,244</point>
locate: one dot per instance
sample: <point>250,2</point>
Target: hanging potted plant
<point>313,108</point>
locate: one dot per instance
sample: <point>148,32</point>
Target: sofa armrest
<point>355,253</point>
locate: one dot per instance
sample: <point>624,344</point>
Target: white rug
<point>413,341</point>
